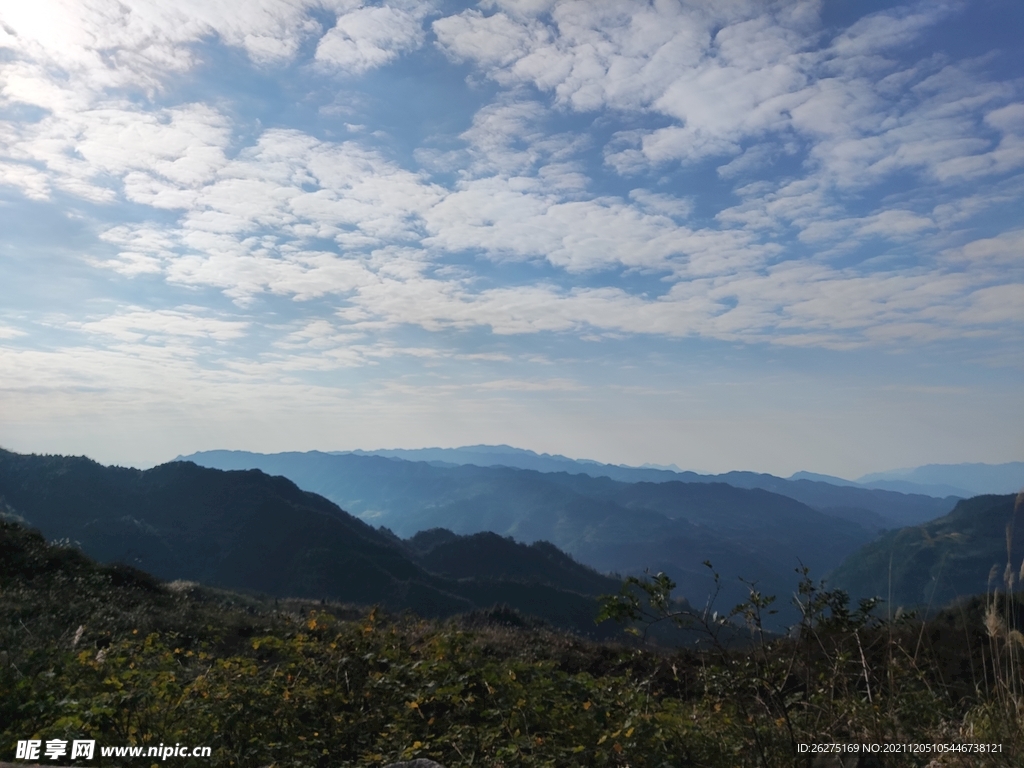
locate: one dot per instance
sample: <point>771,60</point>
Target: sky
<point>724,234</point>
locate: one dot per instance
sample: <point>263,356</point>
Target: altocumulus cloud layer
<point>717,233</point>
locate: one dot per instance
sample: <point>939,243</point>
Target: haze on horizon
<point>722,235</point>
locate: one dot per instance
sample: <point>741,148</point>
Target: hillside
<point>487,555</point>
<point>963,553</point>
<point>249,531</point>
<point>114,655</point>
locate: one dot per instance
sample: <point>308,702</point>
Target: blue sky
<point>770,236</point>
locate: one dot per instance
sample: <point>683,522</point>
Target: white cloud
<point>891,29</point>
<point>155,154</point>
<point>514,219</point>
<point>106,44</point>
<point>246,230</point>
<point>369,37</point>
<point>307,218</point>
<point>83,63</point>
<point>666,57</point>
<point>137,324</point>
<point>727,73</point>
<point>492,40</point>
<point>1001,252</point>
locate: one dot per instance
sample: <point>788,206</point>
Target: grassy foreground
<point>111,654</point>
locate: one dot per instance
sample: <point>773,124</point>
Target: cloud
<point>636,56</point>
<point>892,28</point>
<point>105,44</point>
<point>525,235</point>
<point>247,232</point>
<point>520,385</point>
<point>495,40</point>
<point>137,324</point>
<point>1001,252</point>
<point>80,65</point>
<point>154,155</point>
<point>729,73</point>
<point>369,37</point>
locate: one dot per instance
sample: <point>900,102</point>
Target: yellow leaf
<point>603,739</point>
<point>587,705</point>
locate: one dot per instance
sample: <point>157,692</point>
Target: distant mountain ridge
<point>938,480</point>
<point>975,479</point>
<point>874,509</point>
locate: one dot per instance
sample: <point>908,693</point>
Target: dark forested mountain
<point>607,524</point>
<point>248,530</point>
<point>488,555</point>
<point>967,552</point>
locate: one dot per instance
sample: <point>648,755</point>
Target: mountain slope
<point>488,555</point>
<point>247,530</point>
<point>934,563</point>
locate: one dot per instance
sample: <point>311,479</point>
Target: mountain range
<point>609,524</point>
<point>939,480</point>
<point>338,479</point>
<point>246,530</point>
<point>442,538</point>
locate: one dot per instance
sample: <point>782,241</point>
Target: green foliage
<point>113,655</point>
<point>932,564</point>
<point>846,672</point>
